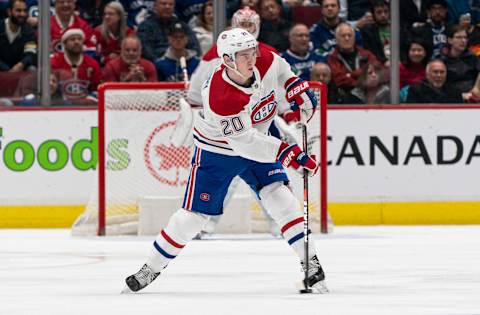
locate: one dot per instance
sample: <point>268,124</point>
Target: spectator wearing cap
<point>129,66</point>
<point>18,47</point>
<point>153,32</point>
<point>64,20</point>
<point>322,34</point>
<point>435,30</point>
<point>169,67</point>
<point>79,74</point>
<point>111,32</point>
<point>463,67</point>
<point>300,55</point>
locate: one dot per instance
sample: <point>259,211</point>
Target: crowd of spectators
<point>346,47</point>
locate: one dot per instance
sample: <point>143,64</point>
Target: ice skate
<point>316,277</point>
<point>141,279</point>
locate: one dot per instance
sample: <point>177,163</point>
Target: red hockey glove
<point>300,96</point>
<point>293,156</point>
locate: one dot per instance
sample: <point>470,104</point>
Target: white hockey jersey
<point>235,119</point>
<point>210,61</point>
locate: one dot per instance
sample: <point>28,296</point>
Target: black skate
<point>140,280</point>
<point>316,277</point>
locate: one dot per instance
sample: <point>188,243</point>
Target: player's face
<point>245,60</point>
<point>248,26</point>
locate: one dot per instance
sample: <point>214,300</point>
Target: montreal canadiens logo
<point>165,162</point>
<point>205,197</point>
<point>265,110</point>
<point>75,89</point>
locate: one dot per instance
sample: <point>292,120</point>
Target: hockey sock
<point>181,228</point>
<point>285,210</point>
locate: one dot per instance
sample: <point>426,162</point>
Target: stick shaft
<point>305,207</point>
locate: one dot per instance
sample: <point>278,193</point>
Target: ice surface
<point>370,270</point>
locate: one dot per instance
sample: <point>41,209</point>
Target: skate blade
<point>126,290</point>
<point>318,288</point>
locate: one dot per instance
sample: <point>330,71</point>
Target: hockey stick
<point>306,237</point>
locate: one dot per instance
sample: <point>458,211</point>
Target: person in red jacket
<point>65,19</point>
<point>129,66</point>
<point>79,73</point>
<point>348,59</point>
<point>412,69</point>
<point>111,32</point>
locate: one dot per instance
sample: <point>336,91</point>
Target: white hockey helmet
<point>231,41</point>
<point>246,15</point>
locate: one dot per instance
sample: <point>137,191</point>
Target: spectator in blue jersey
<point>376,36</point>
<point>18,47</point>
<point>434,32</point>
<point>322,34</point>
<point>154,31</point>
<point>300,55</point>
<point>137,11</point>
<point>273,28</point>
<point>169,67</point>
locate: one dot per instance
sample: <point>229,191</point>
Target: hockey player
<point>248,20</point>
<point>231,139</point>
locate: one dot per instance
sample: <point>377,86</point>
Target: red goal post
<point>133,124</point>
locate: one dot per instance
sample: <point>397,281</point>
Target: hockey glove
<point>301,97</point>
<point>292,156</point>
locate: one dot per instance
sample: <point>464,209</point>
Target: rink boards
<point>396,165</point>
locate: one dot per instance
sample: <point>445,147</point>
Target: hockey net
<point>137,160</point>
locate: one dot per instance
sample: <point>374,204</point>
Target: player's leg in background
<point>210,176</point>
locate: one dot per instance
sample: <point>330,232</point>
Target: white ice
<point>370,270</point>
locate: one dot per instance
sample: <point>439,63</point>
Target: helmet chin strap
<point>235,69</point>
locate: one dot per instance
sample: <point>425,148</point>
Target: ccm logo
<point>204,197</point>
<point>299,88</point>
